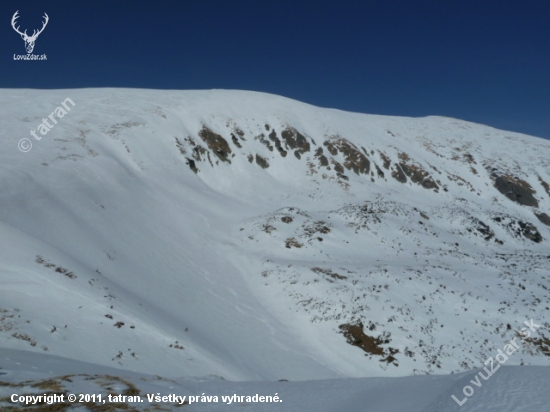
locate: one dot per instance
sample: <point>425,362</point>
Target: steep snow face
<point>255,237</point>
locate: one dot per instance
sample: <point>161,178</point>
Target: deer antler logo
<point>29,40</point>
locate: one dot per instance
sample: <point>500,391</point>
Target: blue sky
<point>482,61</point>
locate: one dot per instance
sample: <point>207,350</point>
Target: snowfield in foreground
<point>256,238</point>
<point>510,389</point>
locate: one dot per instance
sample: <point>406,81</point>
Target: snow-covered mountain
<point>253,237</point>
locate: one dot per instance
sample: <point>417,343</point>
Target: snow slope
<point>510,389</point>
<point>253,237</point>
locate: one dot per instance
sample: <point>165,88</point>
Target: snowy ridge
<point>254,237</point>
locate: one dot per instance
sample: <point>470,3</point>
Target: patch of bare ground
<point>353,158</point>
<point>261,138</point>
<point>530,232</point>
<point>323,161</point>
<point>176,345</point>
<point>39,259</point>
<point>317,227</point>
<point>55,386</point>
<point>277,142</point>
<point>544,218</point>
<point>180,146</point>
<point>415,172</point>
<point>379,171</point>
<point>216,143</point>
<point>262,162</point>
<point>385,160</point>
<point>192,165</point>
<point>541,345</point>
<point>545,185</point>
<point>518,228</point>
<point>337,166</point>
<point>198,152</point>
<point>239,132</point>
<point>236,141</point>
<point>267,228</point>
<point>329,273</point>
<point>355,336</point>
<point>515,189</point>
<point>292,242</point>
<point>465,157</point>
<point>460,181</point>
<point>469,158</point>
<point>296,141</point>
<point>24,337</point>
<point>117,128</point>
<point>398,174</point>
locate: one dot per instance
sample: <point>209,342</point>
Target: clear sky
<point>477,60</point>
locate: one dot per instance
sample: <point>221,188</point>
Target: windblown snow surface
<point>251,238</point>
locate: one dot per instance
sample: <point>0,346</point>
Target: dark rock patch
<point>542,344</point>
<point>294,140</point>
<point>264,141</point>
<point>268,228</point>
<point>419,176</point>
<point>337,166</point>
<point>544,218</point>
<point>216,143</point>
<point>199,152</point>
<point>386,160</point>
<point>379,171</point>
<point>282,151</point>
<point>317,227</point>
<point>236,141</point>
<point>180,146</point>
<point>323,161</point>
<point>291,242</point>
<point>329,273</point>
<point>416,173</point>
<point>516,190</point>
<point>469,158</point>
<point>262,161</point>
<point>355,336</point>
<point>545,185</point>
<point>518,228</point>
<point>277,142</point>
<point>192,165</point>
<point>353,158</point>
<point>530,231</point>
<point>398,174</point>
<point>484,230</point>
